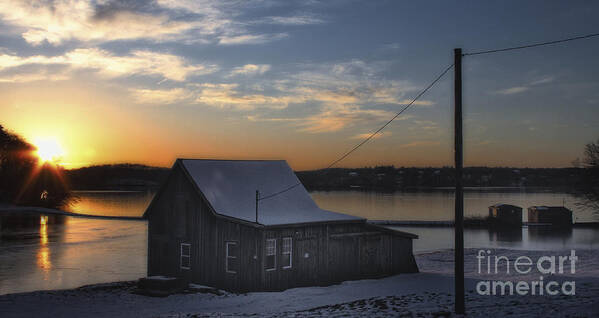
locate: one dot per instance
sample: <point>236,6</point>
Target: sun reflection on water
<point>43,254</point>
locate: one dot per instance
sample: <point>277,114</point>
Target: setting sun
<point>48,149</point>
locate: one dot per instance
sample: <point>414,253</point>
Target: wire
<point>392,119</point>
<point>280,192</point>
<point>371,135</point>
<point>533,45</point>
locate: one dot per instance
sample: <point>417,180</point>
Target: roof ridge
<point>245,160</point>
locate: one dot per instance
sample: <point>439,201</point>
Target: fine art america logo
<point>523,265</point>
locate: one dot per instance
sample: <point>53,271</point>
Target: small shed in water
<point>505,215</point>
<point>553,215</point>
<point>203,227</point>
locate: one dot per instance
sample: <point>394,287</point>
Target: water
<point>79,252</point>
<point>527,238</point>
<point>439,205</point>
<point>86,251</point>
<point>112,203</point>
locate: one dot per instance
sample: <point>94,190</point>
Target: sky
<point>151,81</point>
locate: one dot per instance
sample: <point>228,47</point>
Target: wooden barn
<point>204,227</point>
<point>505,215</point>
<point>552,215</point>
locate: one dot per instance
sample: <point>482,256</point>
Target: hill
<point>118,176</point>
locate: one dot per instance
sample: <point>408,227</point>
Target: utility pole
<point>257,199</point>
<point>459,191</point>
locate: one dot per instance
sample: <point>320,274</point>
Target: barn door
<point>343,258</point>
<point>370,255</point>
<point>306,257</point>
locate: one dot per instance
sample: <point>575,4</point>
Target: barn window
<point>231,257</point>
<point>185,256</point>
<point>287,252</point>
<point>271,254</point>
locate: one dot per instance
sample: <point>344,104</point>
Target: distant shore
<point>381,178</point>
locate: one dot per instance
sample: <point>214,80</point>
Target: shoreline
<point>14,209</point>
<point>426,294</point>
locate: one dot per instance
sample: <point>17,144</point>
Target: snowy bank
<point>427,294</point>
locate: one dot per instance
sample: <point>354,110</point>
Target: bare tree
<point>588,188</point>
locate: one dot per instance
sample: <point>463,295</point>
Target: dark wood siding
<point>332,253</point>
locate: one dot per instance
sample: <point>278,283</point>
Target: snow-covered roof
<point>230,188</point>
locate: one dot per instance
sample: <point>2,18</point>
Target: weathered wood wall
<point>330,253</point>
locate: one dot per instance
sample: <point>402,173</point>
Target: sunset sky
<point>150,81</point>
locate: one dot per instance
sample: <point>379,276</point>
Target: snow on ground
<point>426,294</point>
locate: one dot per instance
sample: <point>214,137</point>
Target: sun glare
<point>48,149</point>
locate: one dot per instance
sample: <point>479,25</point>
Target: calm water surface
<point>86,251</point>
<point>439,205</point>
<point>82,251</point>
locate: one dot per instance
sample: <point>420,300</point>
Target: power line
<point>533,45</point>
<point>392,119</point>
<point>280,192</point>
<point>371,135</point>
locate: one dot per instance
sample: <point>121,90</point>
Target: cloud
<point>250,69</point>
<point>366,135</point>
<point>337,118</point>
<point>270,119</point>
<point>421,144</point>
<point>336,89</point>
<point>109,65</point>
<point>545,80</point>
<point>324,97</point>
<point>138,62</point>
<point>426,125</point>
<point>227,96</point>
<point>524,88</point>
<point>391,46</point>
<point>58,21</point>
<point>484,142</point>
<point>202,7</point>
<point>354,78</point>
<point>63,20</point>
<point>25,77</point>
<point>512,90</point>
<point>249,38</point>
<point>292,20</point>
<point>159,96</point>
<point>338,95</point>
